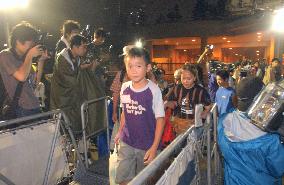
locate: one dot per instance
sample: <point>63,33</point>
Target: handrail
<point>165,154</point>
<point>159,160</point>
<point>35,120</point>
<point>51,152</point>
<point>209,122</point>
<point>84,106</point>
<point>27,118</point>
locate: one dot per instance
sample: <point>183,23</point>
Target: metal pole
<point>27,118</point>
<point>6,28</point>
<point>107,124</point>
<point>84,132</point>
<point>7,33</point>
<point>208,120</point>
<point>216,154</point>
<point>159,160</point>
<point>66,119</point>
<point>46,175</point>
<point>84,107</point>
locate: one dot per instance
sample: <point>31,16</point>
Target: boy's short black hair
<point>100,33</point>
<point>223,74</point>
<point>275,60</point>
<point>70,25</point>
<point>138,52</point>
<point>23,32</point>
<point>78,40</point>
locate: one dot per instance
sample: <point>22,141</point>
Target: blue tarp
<point>102,138</point>
<point>256,161</point>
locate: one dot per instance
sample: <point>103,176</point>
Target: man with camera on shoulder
<point>16,72</point>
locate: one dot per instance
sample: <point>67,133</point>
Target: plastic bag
<point>113,162</point>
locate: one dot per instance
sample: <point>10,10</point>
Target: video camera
<point>210,46</point>
<point>94,51</point>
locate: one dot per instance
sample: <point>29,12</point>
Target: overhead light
<point>193,40</point>
<point>259,36</point>
<point>224,38</point>
<point>230,48</point>
<point>257,51</point>
<point>139,43</point>
<point>258,40</point>
<point>258,33</point>
<point>237,54</point>
<point>184,50</point>
<point>257,54</point>
<point>5,4</point>
<point>277,24</point>
<point>228,41</point>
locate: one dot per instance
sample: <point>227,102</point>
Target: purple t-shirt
<point>141,108</point>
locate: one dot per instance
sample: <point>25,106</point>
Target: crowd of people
<point>142,94</point>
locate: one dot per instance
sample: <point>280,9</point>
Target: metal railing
<point>160,159</point>
<point>154,166</point>
<point>84,117</point>
<point>60,120</point>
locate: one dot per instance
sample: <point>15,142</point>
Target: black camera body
<point>42,42</point>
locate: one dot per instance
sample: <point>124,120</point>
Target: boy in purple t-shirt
<point>142,118</point>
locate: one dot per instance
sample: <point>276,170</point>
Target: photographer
<point>98,57</point>
<point>16,71</point>
<point>65,88</point>
<point>69,28</point>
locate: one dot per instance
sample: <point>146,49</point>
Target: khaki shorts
<point>130,162</point>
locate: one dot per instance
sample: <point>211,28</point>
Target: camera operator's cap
<point>246,91</point>
<point>126,49</point>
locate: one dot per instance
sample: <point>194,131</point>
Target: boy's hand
<point>114,117</point>
<point>117,138</point>
<point>204,114</point>
<point>150,155</point>
<point>170,104</point>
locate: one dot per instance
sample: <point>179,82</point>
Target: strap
<point>18,92</point>
<point>200,96</point>
<point>180,96</point>
<point>175,91</point>
<point>193,97</point>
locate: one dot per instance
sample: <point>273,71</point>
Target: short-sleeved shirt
<point>141,109</point>
<point>187,99</point>
<point>224,100</point>
<point>9,64</point>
